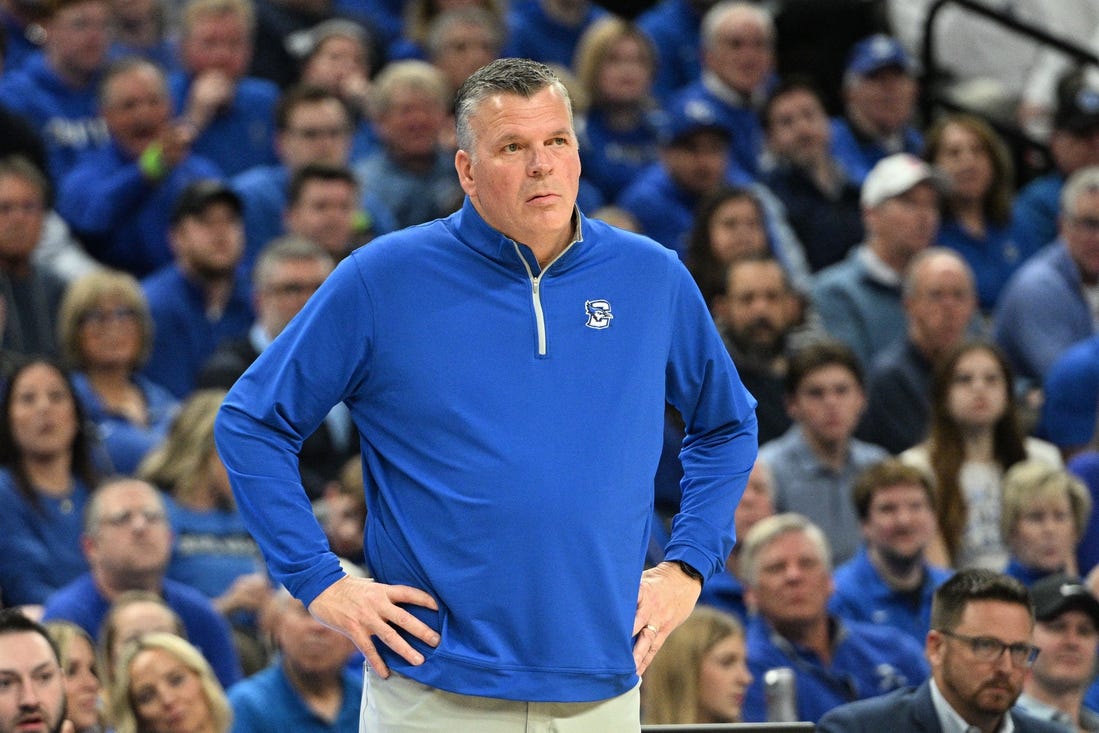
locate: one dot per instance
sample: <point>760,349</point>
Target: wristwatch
<point>691,572</point>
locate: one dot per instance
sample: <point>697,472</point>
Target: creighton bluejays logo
<point>599,313</point>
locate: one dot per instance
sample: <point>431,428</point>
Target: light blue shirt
<point>803,484</point>
<point>951,722</point>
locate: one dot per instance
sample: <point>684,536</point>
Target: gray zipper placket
<point>536,292</point>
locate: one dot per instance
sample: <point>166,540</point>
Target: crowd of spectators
<point>918,321</point>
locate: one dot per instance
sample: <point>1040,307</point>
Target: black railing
<point>932,97</point>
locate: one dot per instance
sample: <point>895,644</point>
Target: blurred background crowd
<point>890,206</point>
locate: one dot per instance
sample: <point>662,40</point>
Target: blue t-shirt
<point>41,546</point>
<point>267,701</point>
<point>127,442</point>
<point>993,259</point>
<point>862,595</point>
<point>81,602</point>
<point>212,548</point>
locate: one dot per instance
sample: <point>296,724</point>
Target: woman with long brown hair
<point>46,476</point>
<point>976,211</point>
<point>974,438</point>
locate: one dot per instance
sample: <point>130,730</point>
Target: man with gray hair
<point>411,171</point>
<point>508,379</point>
<point>287,273</point>
<point>738,62</point>
<point>1052,301</point>
<point>786,564</point>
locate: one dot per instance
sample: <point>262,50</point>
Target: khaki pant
<point>402,705</point>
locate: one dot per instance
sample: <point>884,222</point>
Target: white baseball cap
<point>895,175</point>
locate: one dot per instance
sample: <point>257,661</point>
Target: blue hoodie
<point>511,419</point>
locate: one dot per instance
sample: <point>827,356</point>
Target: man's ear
<point>933,647</point>
<point>88,547</point>
<point>463,163</point>
<point>750,600</point>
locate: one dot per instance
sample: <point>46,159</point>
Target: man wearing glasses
<point>1064,278</point>
<point>980,651</point>
<point>128,543</point>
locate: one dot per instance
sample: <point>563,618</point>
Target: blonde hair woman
<point>213,551</point>
<point>133,614</point>
<point>1045,512</point>
<point>159,667</point>
<point>701,673</point>
<point>76,652</point>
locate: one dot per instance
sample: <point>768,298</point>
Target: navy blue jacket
<point>910,710</point>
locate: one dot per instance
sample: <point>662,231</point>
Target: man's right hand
<point>360,609</point>
<point>210,92</point>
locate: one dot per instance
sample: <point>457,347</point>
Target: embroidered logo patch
<point>599,313</point>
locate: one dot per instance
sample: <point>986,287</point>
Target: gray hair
<point>716,16</point>
<point>520,77</point>
<point>410,74</point>
<point>93,511</point>
<point>767,530</point>
<point>283,249</point>
<point>1085,180</point>
<point>446,22</point>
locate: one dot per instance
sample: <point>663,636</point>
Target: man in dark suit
<point>980,650</point>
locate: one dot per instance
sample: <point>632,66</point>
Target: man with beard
<point>1067,631</point>
<point>980,650</point>
<point>890,582</point>
<point>755,316</point>
<point>198,301</point>
<point>32,683</point>
<point>309,688</point>
<point>939,293</point>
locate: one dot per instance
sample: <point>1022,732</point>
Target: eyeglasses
<point>1087,224</point>
<point>127,517</point>
<point>292,288</point>
<point>100,317</point>
<point>7,208</point>
<point>318,133</point>
<point>989,649</point>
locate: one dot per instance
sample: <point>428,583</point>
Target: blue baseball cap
<point>876,53</point>
<point>687,116</point>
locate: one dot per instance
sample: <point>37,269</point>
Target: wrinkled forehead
<point>24,651</point>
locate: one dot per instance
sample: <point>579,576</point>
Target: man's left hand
<point>667,596</point>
